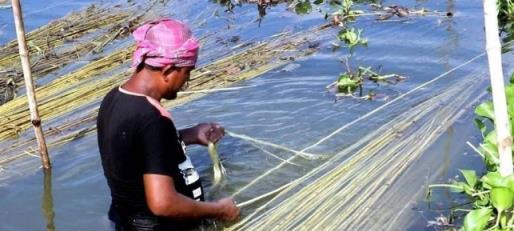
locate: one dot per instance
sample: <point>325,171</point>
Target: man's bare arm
<point>163,200</point>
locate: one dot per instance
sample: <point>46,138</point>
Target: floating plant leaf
<point>477,219</point>
<point>491,162</point>
<point>303,7</point>
<point>483,201</point>
<point>509,93</point>
<point>502,198</point>
<point>485,109</point>
<point>347,84</point>
<point>317,2</point>
<point>351,37</point>
<point>470,176</point>
<point>490,137</point>
<point>489,150</point>
<point>480,125</point>
<point>495,180</point>
<point>458,187</point>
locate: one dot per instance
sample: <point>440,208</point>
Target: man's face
<point>181,77</point>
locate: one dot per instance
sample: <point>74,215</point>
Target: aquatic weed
<point>492,195</point>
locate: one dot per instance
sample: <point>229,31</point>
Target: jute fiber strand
<point>51,45</point>
<point>343,192</point>
<point>84,87</point>
<point>58,32</point>
<point>308,156</point>
<point>361,118</point>
<point>61,95</point>
<point>219,171</point>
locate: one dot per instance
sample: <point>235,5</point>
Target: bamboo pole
<point>27,75</point>
<point>501,121</point>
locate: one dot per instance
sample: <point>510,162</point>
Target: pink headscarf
<point>165,42</point>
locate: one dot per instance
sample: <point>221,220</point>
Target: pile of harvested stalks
<point>89,84</point>
<point>65,41</point>
<point>348,191</point>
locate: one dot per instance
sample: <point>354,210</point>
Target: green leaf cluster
<point>303,7</point>
<point>505,12</point>
<point>492,195</point>
<point>485,111</point>
<point>348,83</point>
<point>352,37</point>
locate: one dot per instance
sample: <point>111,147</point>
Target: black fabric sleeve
<point>161,147</point>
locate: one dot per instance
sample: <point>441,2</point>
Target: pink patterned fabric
<point>165,42</point>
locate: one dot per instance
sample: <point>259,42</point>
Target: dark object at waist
<point>128,219</point>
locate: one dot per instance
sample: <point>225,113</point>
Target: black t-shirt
<point>136,135</point>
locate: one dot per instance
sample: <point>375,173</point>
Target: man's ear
<point>168,72</point>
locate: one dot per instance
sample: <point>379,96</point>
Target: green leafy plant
<point>351,81</point>
<point>346,11</point>
<point>303,7</point>
<point>343,13</point>
<point>506,18</point>
<point>505,12</point>
<point>477,219</point>
<point>348,83</point>
<point>492,195</point>
<point>351,37</point>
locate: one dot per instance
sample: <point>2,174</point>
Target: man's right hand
<point>228,209</point>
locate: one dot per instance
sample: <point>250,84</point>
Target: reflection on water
<point>47,201</point>
<point>447,152</point>
<point>452,37</point>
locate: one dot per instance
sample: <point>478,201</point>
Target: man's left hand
<point>203,133</point>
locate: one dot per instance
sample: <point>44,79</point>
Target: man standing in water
<point>153,184</point>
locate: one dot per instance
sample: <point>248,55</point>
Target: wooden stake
<point>27,75</point>
<point>501,121</point>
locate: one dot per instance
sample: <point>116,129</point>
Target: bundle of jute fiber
<point>58,97</point>
<point>217,167</point>
<point>343,192</point>
<point>69,39</point>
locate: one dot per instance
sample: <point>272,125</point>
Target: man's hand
<point>203,133</point>
<point>228,210</point>
<point>209,132</point>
